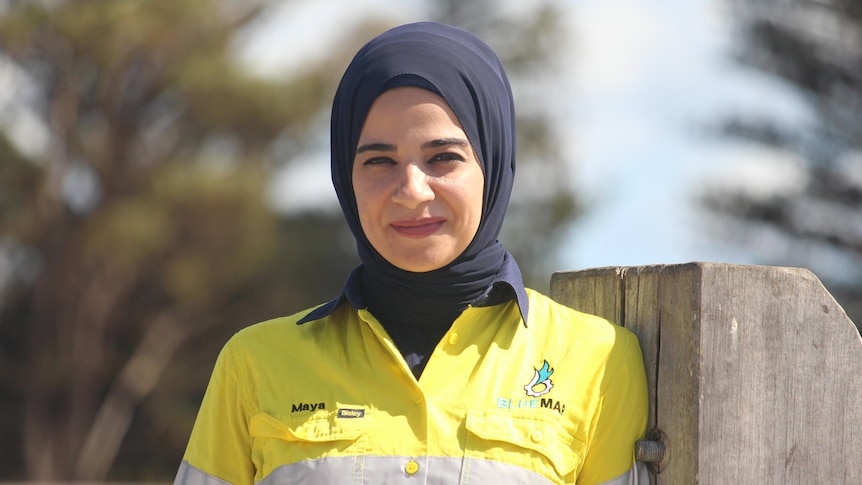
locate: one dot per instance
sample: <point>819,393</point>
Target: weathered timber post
<point>755,372</point>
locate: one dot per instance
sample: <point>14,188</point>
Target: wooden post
<point>754,372</point>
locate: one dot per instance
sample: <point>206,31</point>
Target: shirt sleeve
<point>620,419</point>
<point>219,449</point>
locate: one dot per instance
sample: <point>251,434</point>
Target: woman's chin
<point>420,263</point>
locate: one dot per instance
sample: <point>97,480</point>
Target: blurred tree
<point>139,237</point>
<point>815,47</point>
<point>144,222</point>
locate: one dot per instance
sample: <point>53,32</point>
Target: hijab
<point>468,75</point>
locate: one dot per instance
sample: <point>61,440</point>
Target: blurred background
<point>164,179</point>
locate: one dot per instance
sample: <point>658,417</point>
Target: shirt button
<point>453,338</point>
<point>417,399</point>
<point>536,436</point>
<point>411,467</point>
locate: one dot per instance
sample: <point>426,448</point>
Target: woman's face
<point>417,180</point>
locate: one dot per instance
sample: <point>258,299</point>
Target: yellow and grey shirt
<point>333,401</point>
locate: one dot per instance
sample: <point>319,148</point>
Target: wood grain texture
<point>755,372</point>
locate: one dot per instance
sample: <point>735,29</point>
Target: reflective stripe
<point>638,474</point>
<point>386,470</point>
<point>189,475</point>
<point>379,470</point>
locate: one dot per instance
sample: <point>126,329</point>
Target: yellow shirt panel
<point>564,397</point>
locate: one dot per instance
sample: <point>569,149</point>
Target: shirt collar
<point>507,285</point>
<point>350,292</point>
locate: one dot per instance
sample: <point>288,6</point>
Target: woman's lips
<point>418,228</point>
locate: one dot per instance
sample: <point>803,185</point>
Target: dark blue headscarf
<point>466,72</point>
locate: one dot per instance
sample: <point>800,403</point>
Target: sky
<point>654,76</point>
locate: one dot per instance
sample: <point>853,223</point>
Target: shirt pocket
<point>534,441</point>
<point>283,440</point>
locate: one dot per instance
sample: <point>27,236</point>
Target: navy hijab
<point>463,70</point>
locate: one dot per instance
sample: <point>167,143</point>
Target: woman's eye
<point>378,161</point>
<point>447,157</point>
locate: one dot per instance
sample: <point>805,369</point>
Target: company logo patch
<point>350,413</point>
<point>538,386</point>
<point>541,383</point>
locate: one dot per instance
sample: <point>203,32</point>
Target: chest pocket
<point>283,440</point>
<point>533,441</point>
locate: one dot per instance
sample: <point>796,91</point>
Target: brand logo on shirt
<point>350,413</point>
<point>541,383</point>
<point>509,403</point>
<point>538,386</point>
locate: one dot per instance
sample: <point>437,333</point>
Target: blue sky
<point>646,78</point>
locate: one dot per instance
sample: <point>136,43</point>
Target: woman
<point>434,364</point>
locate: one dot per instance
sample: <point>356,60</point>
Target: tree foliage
<point>140,237</point>
<point>815,48</point>
<point>146,221</point>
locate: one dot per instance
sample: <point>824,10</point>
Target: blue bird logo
<point>541,383</point>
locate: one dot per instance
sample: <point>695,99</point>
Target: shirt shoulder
<point>270,339</point>
<point>593,337</point>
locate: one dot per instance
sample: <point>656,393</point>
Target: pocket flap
<point>536,432</point>
<point>315,428</point>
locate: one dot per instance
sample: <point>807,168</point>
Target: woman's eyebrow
<point>388,147</point>
<point>376,147</point>
<point>443,142</point>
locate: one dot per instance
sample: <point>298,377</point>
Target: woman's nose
<point>413,187</point>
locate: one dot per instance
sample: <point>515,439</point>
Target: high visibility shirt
<point>332,401</point>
